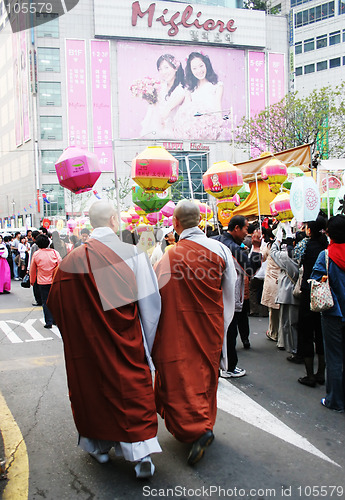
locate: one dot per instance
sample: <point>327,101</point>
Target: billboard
<point>180,92</point>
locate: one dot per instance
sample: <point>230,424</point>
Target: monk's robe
<point>93,299</point>
<point>188,344</point>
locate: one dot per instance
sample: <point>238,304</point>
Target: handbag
<point>297,292</point>
<point>320,292</point>
<point>26,281</point>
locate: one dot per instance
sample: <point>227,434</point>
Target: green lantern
<point>292,172</point>
<point>150,202</point>
<point>324,204</point>
<point>244,191</point>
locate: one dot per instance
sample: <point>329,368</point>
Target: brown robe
<point>109,381</point>
<point>188,343</point>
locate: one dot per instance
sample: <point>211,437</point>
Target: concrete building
<point>74,78</point>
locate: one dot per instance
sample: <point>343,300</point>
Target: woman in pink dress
<point>5,271</point>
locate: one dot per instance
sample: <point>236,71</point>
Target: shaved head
<point>187,213</point>
<point>100,214</point>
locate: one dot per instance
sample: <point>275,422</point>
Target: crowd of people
<point>173,303</point>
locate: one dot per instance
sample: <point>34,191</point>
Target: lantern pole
<point>117,193</point>
<point>257,195</point>
<point>189,178</point>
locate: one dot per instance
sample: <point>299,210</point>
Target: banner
<point>257,90</point>
<point>17,92</point>
<point>276,78</point>
<point>76,93</point>
<point>101,103</point>
<point>24,81</point>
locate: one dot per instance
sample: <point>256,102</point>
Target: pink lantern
<point>77,170</point>
<point>168,209</point>
<point>139,210</point>
<point>155,169</point>
<point>222,180</point>
<point>134,214</point>
<point>280,207</point>
<point>274,173</point>
<point>229,204</point>
<point>71,224</point>
<point>154,218</point>
<point>126,217</point>
<point>205,210</point>
<point>167,222</point>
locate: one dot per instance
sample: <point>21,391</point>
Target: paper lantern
<point>155,169</point>
<point>229,204</point>
<point>71,224</point>
<point>142,227</point>
<point>139,210</point>
<point>222,180</point>
<point>224,217</point>
<point>205,210</point>
<point>77,170</point>
<point>154,218</point>
<point>150,202</point>
<point>134,214</point>
<point>244,191</point>
<point>274,173</point>
<point>126,217</point>
<point>339,202</point>
<point>292,173</point>
<point>167,222</point>
<point>280,207</point>
<point>332,194</point>
<point>168,209</point>
<point>304,199</point>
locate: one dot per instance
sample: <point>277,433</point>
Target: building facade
<point>91,78</point>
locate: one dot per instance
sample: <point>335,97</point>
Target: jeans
<point>333,330</point>
<point>15,267</point>
<point>44,290</point>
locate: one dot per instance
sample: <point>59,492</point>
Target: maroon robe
<point>189,339</point>
<point>109,381</point>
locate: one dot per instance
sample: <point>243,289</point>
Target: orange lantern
<point>155,169</point>
<point>222,180</point>
<point>274,173</point>
<point>280,207</point>
<point>224,217</point>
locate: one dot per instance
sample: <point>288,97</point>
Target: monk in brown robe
<point>197,281</point>
<point>106,303</point>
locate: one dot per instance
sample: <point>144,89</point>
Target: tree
<point>318,119</point>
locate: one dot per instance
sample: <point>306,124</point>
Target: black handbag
<point>26,281</point>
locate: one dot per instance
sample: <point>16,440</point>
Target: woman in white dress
<point>201,116</point>
<point>159,119</point>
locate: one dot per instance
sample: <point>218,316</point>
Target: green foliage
<point>317,119</point>
<point>176,189</point>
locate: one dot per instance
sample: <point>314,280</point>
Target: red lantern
<point>77,170</point>
<point>222,180</point>
<point>274,173</point>
<point>155,169</point>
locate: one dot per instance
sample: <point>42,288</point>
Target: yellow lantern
<point>155,169</point>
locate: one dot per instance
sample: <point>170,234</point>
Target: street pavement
<point>273,438</point>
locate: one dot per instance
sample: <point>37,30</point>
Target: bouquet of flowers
<point>147,89</point>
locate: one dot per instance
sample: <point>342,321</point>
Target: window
<point>322,65</point>
<point>49,93</point>
<point>198,164</point>
<point>341,7</point>
<point>51,128</point>
<point>298,71</point>
<point>298,48</point>
<point>48,59</point>
<point>47,25</point>
<point>334,38</point>
<point>334,63</point>
<point>343,60</point>
<point>318,13</point>
<point>343,35</point>
<point>298,19</point>
<point>56,198</point>
<point>309,45</point>
<point>314,14</point>
<point>309,68</point>
<point>321,41</point>
<point>48,160</point>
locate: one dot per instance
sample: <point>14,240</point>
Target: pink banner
<point>16,86</point>
<point>101,103</point>
<point>24,82</point>
<point>257,90</point>
<point>76,92</point>
<point>276,77</point>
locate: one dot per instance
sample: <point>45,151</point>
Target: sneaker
<point>16,279</point>
<point>102,458</point>
<point>145,468</point>
<point>36,304</point>
<point>238,372</point>
<point>224,374</point>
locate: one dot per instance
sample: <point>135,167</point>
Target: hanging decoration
<point>339,202</point>
<point>150,202</point>
<point>222,180</point>
<point>244,191</point>
<point>77,170</point>
<point>292,173</point>
<point>224,217</point>
<point>274,172</point>
<point>168,209</point>
<point>205,210</point>
<point>154,218</point>
<point>280,207</point>
<point>332,194</point>
<point>229,204</point>
<point>305,199</point>
<point>155,169</point>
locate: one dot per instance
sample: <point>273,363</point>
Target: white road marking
<point>12,337</point>
<point>54,329</point>
<point>238,404</point>
<point>34,334</point>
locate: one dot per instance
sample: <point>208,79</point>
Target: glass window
<point>48,160</point>
<point>343,60</point>
<point>322,65</point>
<point>47,25</point>
<point>298,48</point>
<point>305,17</point>
<point>309,45</point>
<point>321,41</point>
<point>334,38</point>
<point>331,9</point>
<point>49,93</point>
<point>309,68</point>
<point>298,19</point>
<point>48,59</point>
<point>343,35</point>
<point>198,164</point>
<point>334,63</point>
<point>56,197</point>
<point>298,71</point>
<point>341,7</point>
<point>318,13</point>
<point>51,128</point>
<point>312,15</point>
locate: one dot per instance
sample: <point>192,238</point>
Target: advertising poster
<point>180,92</point>
<point>257,90</point>
<point>276,76</point>
<point>24,83</point>
<point>17,92</point>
